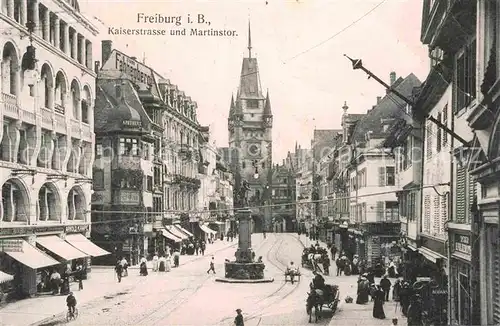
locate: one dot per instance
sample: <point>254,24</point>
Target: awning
<point>218,223</point>
<point>180,228</point>
<point>60,247</point>
<point>4,277</point>
<point>207,230</point>
<point>32,257</point>
<point>170,236</point>
<point>430,255</point>
<point>80,242</point>
<point>176,232</point>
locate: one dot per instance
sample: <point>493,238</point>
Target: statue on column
<point>242,194</point>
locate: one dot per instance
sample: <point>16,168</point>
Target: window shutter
<point>436,214</point>
<point>380,211</point>
<point>472,191</point>
<point>427,213</point>
<point>460,199</point>
<point>381,176</point>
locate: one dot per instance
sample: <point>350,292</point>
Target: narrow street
<point>188,296</point>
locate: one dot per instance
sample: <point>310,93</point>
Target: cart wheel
<point>334,306</point>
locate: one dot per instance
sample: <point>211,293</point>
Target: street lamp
<point>256,174</point>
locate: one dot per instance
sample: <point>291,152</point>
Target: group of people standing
<point>402,292</point>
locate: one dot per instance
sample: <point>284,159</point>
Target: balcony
<point>444,21</point>
<point>186,181</point>
<point>185,149</point>
<point>10,105</point>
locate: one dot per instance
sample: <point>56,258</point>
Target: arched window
<point>86,103</point>
<point>47,87</point>
<point>14,202</point>
<point>75,99</point>
<point>60,93</point>
<point>10,66</point>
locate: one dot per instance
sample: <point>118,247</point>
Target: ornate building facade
<point>146,172</point>
<point>47,139</point>
<point>250,125</point>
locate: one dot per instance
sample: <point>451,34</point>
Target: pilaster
<point>15,139</point>
<point>51,148</point>
<point>36,16</point>
<point>10,8</point>
<point>57,31</point>
<point>68,148</point>
<point>24,12</point>
<point>67,48</point>
<point>83,52</point>
<point>74,46</point>
<point>78,154</point>
<point>46,25</point>
<point>34,142</point>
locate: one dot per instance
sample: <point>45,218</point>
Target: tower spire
<point>249,41</point>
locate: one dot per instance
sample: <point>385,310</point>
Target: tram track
<point>272,256</point>
<point>154,318</point>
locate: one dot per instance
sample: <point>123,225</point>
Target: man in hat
<point>238,320</point>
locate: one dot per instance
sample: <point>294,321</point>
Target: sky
<point>299,45</point>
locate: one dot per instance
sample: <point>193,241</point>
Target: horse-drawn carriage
<point>292,275</point>
<point>317,298</point>
<point>306,261</point>
<point>312,256</point>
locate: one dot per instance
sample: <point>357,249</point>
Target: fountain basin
<point>244,272</point>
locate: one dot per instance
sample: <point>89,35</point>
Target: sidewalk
<point>102,283</point>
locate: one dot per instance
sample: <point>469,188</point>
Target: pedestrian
<point>155,262</point>
<point>386,284</point>
<point>119,271</point>
<point>228,235</point>
<point>238,320</point>
<point>203,246</point>
<point>394,321</point>
<point>212,265</point>
<point>79,275</point>
<point>378,304</point>
<point>196,247</point>
<point>124,264</point>
<point>333,251</point>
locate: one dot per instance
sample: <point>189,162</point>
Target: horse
<point>314,300</point>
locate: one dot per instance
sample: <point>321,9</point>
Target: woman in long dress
<point>378,305</point>
<point>167,263</point>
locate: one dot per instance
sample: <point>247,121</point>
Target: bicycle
<point>72,315</point>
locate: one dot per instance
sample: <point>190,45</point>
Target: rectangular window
<point>98,180</point>
<point>391,211</point>
<point>253,104</point>
<point>98,150</point>
<point>149,183</point>
<point>460,195</point>
<point>466,77</point>
<point>390,176</point>
<point>129,146</point>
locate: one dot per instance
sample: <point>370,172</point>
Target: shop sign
<point>129,197</point>
<point>462,244</point>
<point>439,291</point>
<point>132,123</point>
<point>22,231</point>
<point>14,245</point>
<point>76,228</point>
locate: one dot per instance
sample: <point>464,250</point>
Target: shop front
<point>31,253</point>
<point>461,276</point>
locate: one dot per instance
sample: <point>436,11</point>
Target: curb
<point>230,280</point>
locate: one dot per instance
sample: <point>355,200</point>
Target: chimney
<point>378,99</point>
<point>106,48</point>
<point>392,77</point>
<point>97,65</point>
